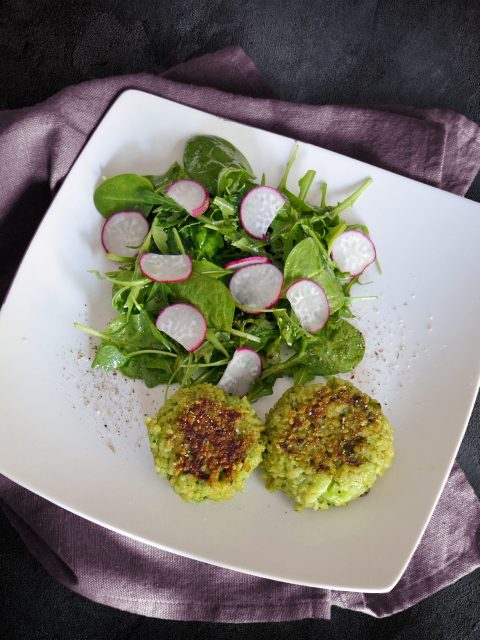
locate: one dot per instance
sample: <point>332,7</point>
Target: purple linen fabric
<point>437,147</point>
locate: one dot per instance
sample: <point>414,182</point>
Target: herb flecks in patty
<point>326,432</point>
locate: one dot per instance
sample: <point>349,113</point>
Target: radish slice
<point>309,303</point>
<point>165,268</point>
<point>353,252</point>
<point>245,262</point>
<point>258,286</point>
<point>190,195</point>
<point>124,232</point>
<point>258,210</point>
<point>243,368</point>
<point>184,323</point>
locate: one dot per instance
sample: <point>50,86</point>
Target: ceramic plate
<point>77,436</point>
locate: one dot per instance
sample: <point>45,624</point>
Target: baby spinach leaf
<point>211,297</point>
<point>204,158</point>
<point>162,181</point>
<point>125,192</point>
<point>109,358</point>
<point>337,348</point>
<point>305,260</point>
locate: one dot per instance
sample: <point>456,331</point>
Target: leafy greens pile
<point>299,244</point>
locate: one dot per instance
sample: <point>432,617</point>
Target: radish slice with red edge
<point>309,304</point>
<point>190,195</point>
<point>353,252</point>
<point>241,371</point>
<point>124,232</point>
<point>258,210</point>
<point>184,323</point>
<point>258,286</point>
<point>165,268</point>
<point>245,262</point>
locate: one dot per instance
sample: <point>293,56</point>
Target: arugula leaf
<point>232,180</point>
<point>153,370</point>
<point>288,326</point>
<point>159,236</point>
<point>204,158</point>
<point>205,242</point>
<point>227,206</point>
<point>307,261</point>
<point>261,388</point>
<point>207,268</point>
<point>302,374</point>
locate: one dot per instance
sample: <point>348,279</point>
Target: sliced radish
<point>258,286</point>
<point>190,195</point>
<point>184,323</point>
<point>245,262</point>
<point>124,232</point>
<point>309,304</point>
<point>243,368</point>
<point>165,268</point>
<point>258,210</point>
<point>353,251</point>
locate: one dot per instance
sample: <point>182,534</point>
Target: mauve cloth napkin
<point>37,148</point>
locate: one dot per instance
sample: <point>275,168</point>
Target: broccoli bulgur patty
<point>326,444</point>
<point>205,443</point>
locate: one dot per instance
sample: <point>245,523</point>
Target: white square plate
<point>77,436</point>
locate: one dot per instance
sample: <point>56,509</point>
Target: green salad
<point>222,279</point>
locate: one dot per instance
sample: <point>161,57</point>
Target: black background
<point>422,53</point>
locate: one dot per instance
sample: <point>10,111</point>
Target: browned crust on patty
<point>211,446</point>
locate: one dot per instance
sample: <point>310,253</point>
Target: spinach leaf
<point>204,158</point>
<point>337,348</point>
<point>211,297</point>
<point>125,192</point>
<point>109,358</point>
<point>162,181</point>
<point>136,331</point>
<point>306,260</point>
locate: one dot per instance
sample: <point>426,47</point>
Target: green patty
<point>205,443</point>
<point>327,444</point>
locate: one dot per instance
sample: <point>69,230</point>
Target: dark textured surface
<point>419,53</point>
